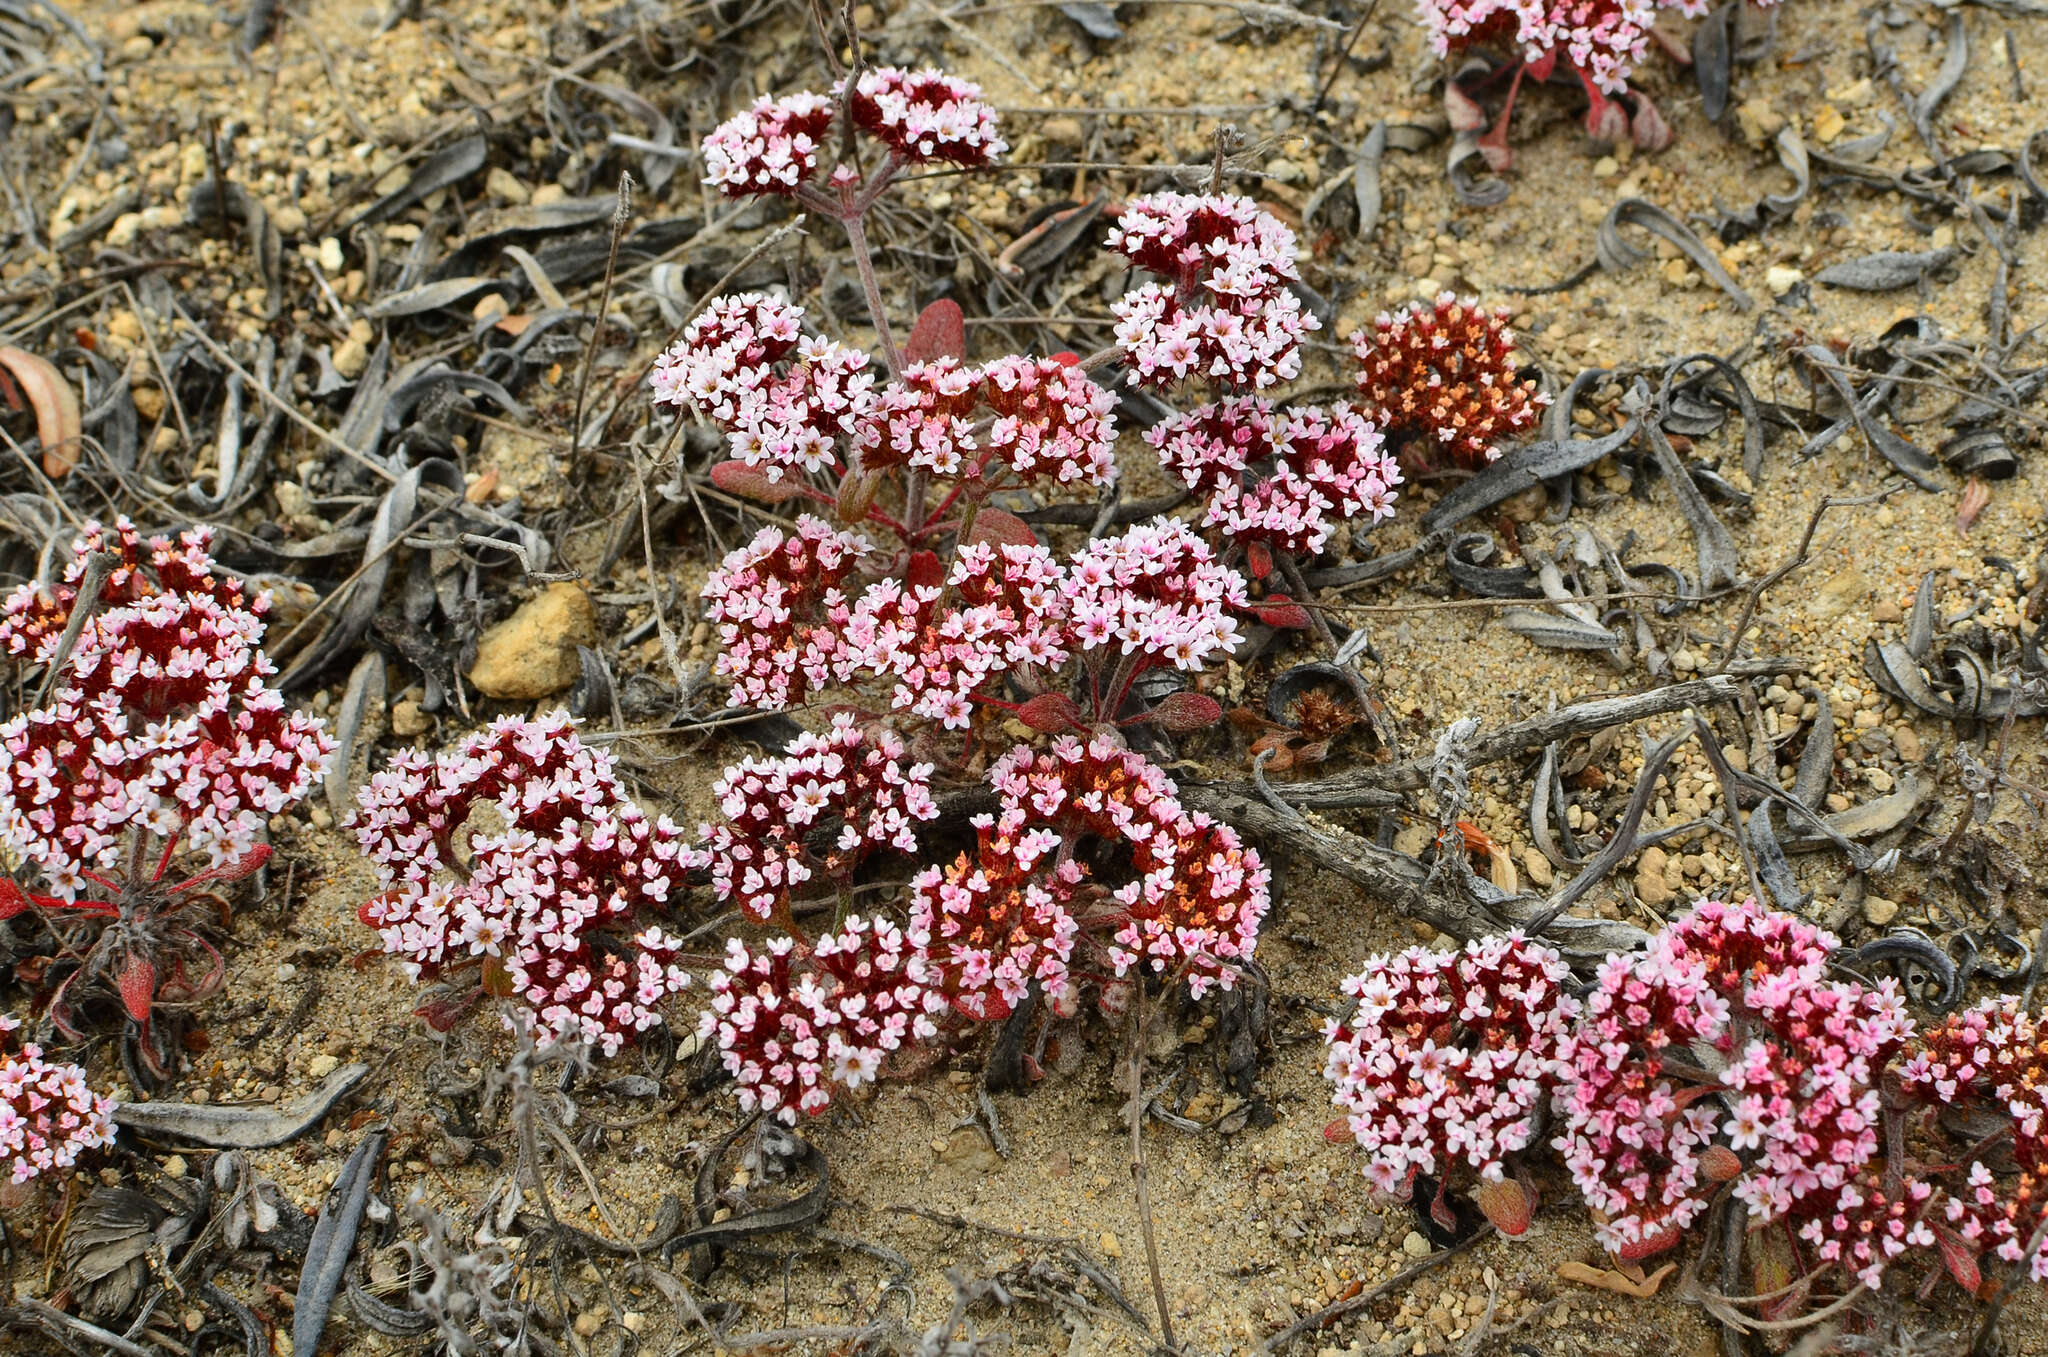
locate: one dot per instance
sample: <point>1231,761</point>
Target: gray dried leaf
<point>429,297</point>
<point>1711,61</point>
<point>450,165</point>
<point>365,693</point>
<point>1816,771</point>
<point>657,167</point>
<point>1885,270</point>
<point>240,1128</point>
<point>1466,561</point>
<point>334,1238</point>
<point>210,201</point>
<point>1097,20</point>
<point>1463,167</point>
<point>1983,452</point>
<point>1617,254</point>
<point>1770,862</point>
<point>106,1250</point>
<point>1916,465</point>
<point>1365,177</point>
<point>1558,632</point>
<point>1954,62</point>
<point>1719,565</point>
<point>536,278</point>
<point>1522,469</point>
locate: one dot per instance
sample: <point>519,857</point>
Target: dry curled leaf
<point>59,423</point>
<point>1609,1279</point>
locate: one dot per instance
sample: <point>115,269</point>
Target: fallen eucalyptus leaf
<point>1884,271</point>
<point>429,297</point>
<point>449,165</point>
<point>1609,1279</point>
<point>1559,633</point>
<point>1617,254</point>
<point>334,1239</point>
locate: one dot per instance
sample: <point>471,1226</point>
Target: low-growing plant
<point>157,735</point>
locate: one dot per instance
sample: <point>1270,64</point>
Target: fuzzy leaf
<point>1002,528</point>
<point>1181,713</point>
<point>138,987</point>
<point>13,899</point>
<point>1278,610</point>
<point>940,332</point>
<point>1718,1164</point>
<point>1338,1132</point>
<point>1258,558</point>
<point>751,482</point>
<point>1507,1204</point>
<point>1050,714</point>
<point>1960,1259</point>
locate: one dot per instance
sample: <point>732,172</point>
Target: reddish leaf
<point>363,910</point>
<point>924,570</point>
<point>940,332</point>
<point>1258,557</point>
<point>1960,1258</point>
<point>1650,1246</point>
<point>751,482</point>
<point>240,869</point>
<point>1050,714</point>
<point>1002,528</point>
<point>1278,610</point>
<point>1338,1132</point>
<point>1440,1211</point>
<point>1718,1164</point>
<point>13,899</point>
<point>497,980</point>
<point>58,418</point>
<point>138,987</point>
<point>1184,712</point>
<point>442,1014</point>
<point>1507,1204</point>
<point>1066,358</point>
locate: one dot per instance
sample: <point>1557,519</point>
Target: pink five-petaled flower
<point>552,903</point>
<point>1226,315</point>
<point>1449,1056</point>
<point>48,1116</point>
<point>784,399</point>
<point>1444,375</point>
<point>770,600</point>
<point>926,115</point>
<point>790,1026</point>
<point>162,722</point>
<point>760,856</point>
<point>770,148</point>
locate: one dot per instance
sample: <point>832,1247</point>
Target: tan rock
<point>1759,120</point>
<point>408,720</point>
<point>501,184</point>
<point>1651,887</point>
<point>532,653</point>
<point>1878,911</point>
<point>1538,868</point>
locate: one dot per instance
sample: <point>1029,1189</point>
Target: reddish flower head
<point>1445,375</point>
<point>769,600</point>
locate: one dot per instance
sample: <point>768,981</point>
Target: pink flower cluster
<point>769,600</point>
<point>790,1027</point>
<point>162,721</point>
<point>1158,594</point>
<point>922,116</point>
<point>1444,374</point>
<point>1014,912</point>
<point>1226,314</point>
<point>784,399</point>
<point>1992,1058</point>
<point>1601,40</point>
<point>1281,478</point>
<point>760,855</point>
<point>1050,422</point>
<point>48,1116</point>
<point>548,907</point>
<point>1007,611</point>
<point>1449,1056</point>
<point>771,148</point>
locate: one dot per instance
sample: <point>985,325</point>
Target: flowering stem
<point>857,238</point>
<point>1137,1123</point>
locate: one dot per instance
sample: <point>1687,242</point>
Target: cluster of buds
<point>549,908</point>
<point>1279,480</point>
<point>48,1116</point>
<point>1448,1057</point>
<point>761,854</point>
<point>790,1026</point>
<point>1226,314</point>
<point>1015,912</point>
<point>162,723</point>
<point>1442,374</point>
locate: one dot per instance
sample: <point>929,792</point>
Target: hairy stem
<point>1137,1122</point>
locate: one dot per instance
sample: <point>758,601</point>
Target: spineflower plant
<point>160,737</point>
<point>1723,1058</point>
<point>1599,42</point>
